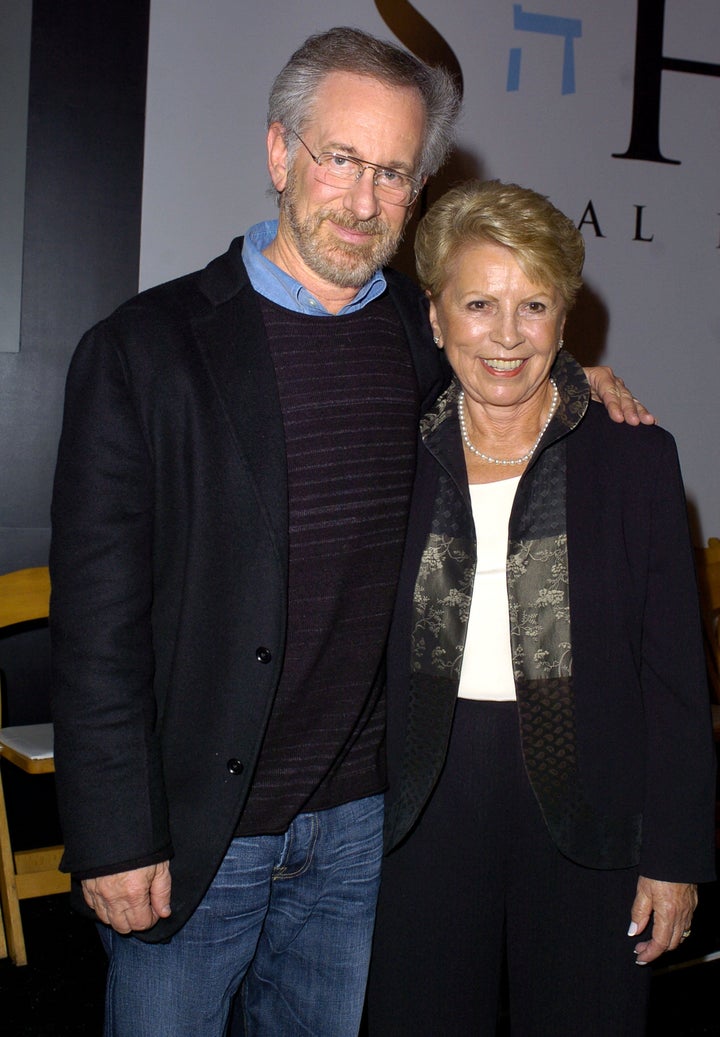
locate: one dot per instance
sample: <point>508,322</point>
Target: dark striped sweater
<point>350,408</point>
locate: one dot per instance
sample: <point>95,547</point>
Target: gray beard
<point>341,264</point>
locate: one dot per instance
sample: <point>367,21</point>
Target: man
<point>229,513</point>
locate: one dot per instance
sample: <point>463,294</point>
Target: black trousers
<point>480,878</point>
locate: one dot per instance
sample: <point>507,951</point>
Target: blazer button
<point>235,766</point>
<point>263,655</point>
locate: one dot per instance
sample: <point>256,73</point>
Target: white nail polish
<point>632,931</point>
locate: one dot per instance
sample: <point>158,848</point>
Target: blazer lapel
<point>231,337</point>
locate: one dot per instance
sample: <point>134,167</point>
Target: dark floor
<point>59,993</point>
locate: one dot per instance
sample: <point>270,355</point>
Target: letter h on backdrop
<point>569,28</point>
<point>650,63</point>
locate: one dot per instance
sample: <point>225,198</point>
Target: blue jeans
<point>288,920</point>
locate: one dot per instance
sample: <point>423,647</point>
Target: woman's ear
<point>437,336</point>
<point>277,156</point>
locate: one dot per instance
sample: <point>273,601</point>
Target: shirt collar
<point>272,282</point>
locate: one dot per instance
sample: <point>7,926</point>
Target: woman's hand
<point>672,905</point>
<point>621,405</point>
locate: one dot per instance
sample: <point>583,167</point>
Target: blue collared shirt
<point>272,282</point>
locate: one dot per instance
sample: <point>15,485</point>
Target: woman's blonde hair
<point>548,247</point>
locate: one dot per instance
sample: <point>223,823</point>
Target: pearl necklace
<point>496,460</point>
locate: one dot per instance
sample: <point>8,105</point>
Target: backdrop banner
<point>612,110</point>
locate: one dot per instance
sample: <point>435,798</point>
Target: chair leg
<point>3,941</point>
<point>8,891</point>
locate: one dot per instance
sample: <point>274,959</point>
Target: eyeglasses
<point>337,170</point>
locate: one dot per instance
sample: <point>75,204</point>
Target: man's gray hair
<point>344,49</point>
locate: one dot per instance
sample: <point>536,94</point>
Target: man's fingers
<point>131,900</point>
<point>160,891</point>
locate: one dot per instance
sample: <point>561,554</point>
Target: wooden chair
<point>25,596</point>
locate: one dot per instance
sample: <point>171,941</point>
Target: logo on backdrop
<point>419,36</point>
<point>651,63</point>
<point>569,29</point>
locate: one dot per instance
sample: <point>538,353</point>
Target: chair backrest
<point>24,595</point>
<point>708,567</point>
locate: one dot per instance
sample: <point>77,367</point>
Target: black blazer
<point>168,567</point>
<point>643,734</point>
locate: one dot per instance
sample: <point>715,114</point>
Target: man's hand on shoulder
<point>131,900</point>
<point>621,405</point>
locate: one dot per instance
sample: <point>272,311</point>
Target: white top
<point>487,666</point>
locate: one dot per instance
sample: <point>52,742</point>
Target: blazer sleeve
<point>109,777</point>
<point>678,815</point>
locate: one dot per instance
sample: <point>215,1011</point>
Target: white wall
<point>652,309</point>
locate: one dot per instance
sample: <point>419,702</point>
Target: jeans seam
<point>282,873</point>
<point>280,869</point>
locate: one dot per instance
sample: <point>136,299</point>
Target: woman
<point>551,764</point>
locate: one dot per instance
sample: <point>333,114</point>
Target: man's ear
<point>277,155</point>
<point>411,208</point>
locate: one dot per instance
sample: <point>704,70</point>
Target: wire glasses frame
<point>338,170</point>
